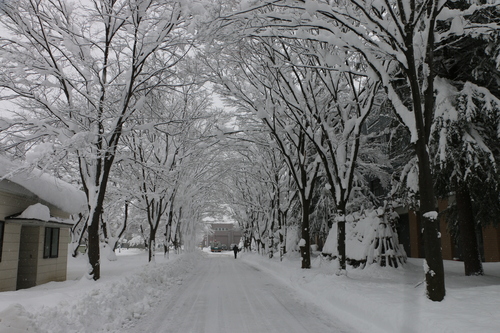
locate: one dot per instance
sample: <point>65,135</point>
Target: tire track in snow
<point>224,295</point>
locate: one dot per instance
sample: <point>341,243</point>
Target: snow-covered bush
<point>292,239</point>
<point>370,238</point>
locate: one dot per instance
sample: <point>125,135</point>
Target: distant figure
<point>235,249</point>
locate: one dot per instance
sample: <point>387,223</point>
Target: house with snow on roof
<point>35,212</point>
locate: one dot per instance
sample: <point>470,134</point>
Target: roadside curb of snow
<point>343,306</point>
<point>109,306</point>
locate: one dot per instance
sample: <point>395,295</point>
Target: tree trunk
<point>468,238</point>
<point>271,236</point>
<point>423,103</point>
<point>80,237</point>
<point>341,235</point>
<point>434,273</point>
<point>93,243</point>
<point>124,226</point>
<point>271,246</point>
<point>166,244</point>
<point>281,238</point>
<point>341,243</point>
<point>305,251</point>
<point>152,244</point>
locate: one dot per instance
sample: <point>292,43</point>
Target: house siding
<point>491,241</point>
<point>28,257</point>
<point>415,235</point>
<point>10,257</point>
<point>53,269</point>
<point>28,268</point>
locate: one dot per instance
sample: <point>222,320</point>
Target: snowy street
<point>350,149</point>
<point>228,295</point>
<point>205,292</point>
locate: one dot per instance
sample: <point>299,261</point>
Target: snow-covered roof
<point>39,214</point>
<point>48,188</point>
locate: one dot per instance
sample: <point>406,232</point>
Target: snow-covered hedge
<point>371,238</point>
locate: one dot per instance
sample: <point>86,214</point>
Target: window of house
<point>2,224</point>
<point>51,244</point>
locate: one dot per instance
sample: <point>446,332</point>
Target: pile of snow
<point>36,211</point>
<point>371,238</point>
<point>128,289</point>
<point>50,189</point>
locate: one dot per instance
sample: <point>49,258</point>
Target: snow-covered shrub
<point>292,239</point>
<point>137,241</point>
<point>370,238</point>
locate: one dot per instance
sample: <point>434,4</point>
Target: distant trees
<point>159,140</point>
<point>254,83</point>
<point>313,100</point>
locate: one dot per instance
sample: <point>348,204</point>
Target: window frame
<point>51,243</point>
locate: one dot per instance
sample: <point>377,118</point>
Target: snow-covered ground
<point>374,299</point>
<point>385,300</point>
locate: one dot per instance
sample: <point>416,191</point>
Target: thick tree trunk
<point>281,238</point>
<point>468,239</point>
<point>305,251</point>
<point>341,235</point>
<point>95,218</point>
<point>434,273</point>
<point>341,244</point>
<point>423,103</point>
<point>93,243</point>
<point>271,244</point>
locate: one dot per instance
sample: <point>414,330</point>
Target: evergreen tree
<point>466,139</point>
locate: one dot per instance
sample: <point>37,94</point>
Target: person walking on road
<point>236,250</point>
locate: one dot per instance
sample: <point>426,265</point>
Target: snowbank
<point>388,300</point>
<point>127,290</point>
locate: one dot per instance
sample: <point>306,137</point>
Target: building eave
<point>53,223</point>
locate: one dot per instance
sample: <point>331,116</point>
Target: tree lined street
<point>354,138</point>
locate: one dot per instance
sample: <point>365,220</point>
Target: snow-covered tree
<point>466,158</point>
<point>372,238</point>
<point>465,134</point>
<point>397,39</point>
<point>252,90</point>
<point>322,91</point>
<point>79,71</point>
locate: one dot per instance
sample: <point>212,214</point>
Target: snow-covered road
<point>203,292</point>
<point>227,295</point>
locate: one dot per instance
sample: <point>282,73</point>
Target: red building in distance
<point>226,234</point>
